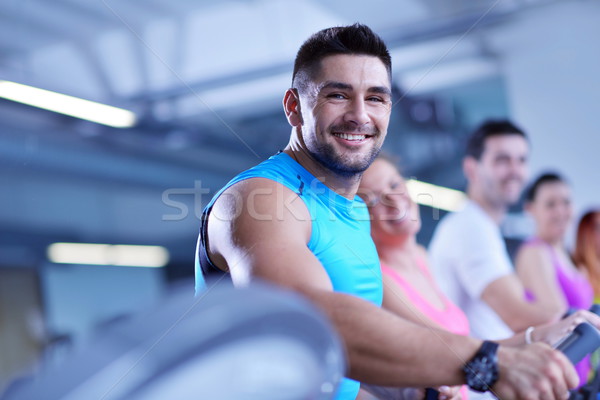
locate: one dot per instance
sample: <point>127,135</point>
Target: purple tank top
<point>578,293</point>
<point>576,288</point>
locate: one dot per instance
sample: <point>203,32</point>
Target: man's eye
<point>376,99</point>
<point>336,96</point>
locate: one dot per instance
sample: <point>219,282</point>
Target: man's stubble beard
<point>327,156</point>
<point>325,153</point>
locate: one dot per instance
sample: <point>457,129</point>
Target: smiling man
<point>469,257</point>
<point>295,220</point>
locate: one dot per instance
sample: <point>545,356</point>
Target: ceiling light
<point>108,254</point>
<point>435,196</point>
<point>68,105</point>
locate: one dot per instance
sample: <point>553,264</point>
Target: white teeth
<point>348,136</point>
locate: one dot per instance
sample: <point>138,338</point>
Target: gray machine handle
<point>582,341</point>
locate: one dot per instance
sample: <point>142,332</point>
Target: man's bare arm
<point>262,239</point>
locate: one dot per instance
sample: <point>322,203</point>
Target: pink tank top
<point>450,317</point>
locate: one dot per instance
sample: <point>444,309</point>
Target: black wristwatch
<point>482,371</point>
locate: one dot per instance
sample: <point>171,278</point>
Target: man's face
<point>502,170</point>
<point>346,112</point>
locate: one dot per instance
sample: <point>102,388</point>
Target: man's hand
<point>533,371</point>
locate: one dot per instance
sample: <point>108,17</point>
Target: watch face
<point>482,372</point>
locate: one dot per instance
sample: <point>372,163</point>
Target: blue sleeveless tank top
<point>340,236</point>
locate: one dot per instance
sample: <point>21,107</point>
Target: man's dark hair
<point>476,142</point>
<point>355,39</point>
<point>549,177</point>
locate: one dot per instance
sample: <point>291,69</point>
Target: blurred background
<point>203,81</point>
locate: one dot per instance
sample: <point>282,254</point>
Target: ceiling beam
<point>396,37</point>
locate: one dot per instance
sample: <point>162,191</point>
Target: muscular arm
<point>382,348</point>
<point>258,229</point>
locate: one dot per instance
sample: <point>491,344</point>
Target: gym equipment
<point>258,342</point>
<point>582,341</point>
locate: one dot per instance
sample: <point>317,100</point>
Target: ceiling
<point>176,61</point>
<point>205,79</point>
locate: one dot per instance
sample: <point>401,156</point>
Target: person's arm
<point>551,333</point>
<point>538,275</point>
<point>473,249</point>
<point>267,238</point>
<point>506,296</point>
<point>267,241</point>
<point>388,351</point>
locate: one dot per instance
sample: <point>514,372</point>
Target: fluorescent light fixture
<point>108,254</point>
<point>435,196</point>
<point>68,105</point>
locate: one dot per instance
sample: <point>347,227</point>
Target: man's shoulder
<point>257,193</point>
<point>275,167</point>
<point>452,222</point>
<point>459,229</point>
<point>271,174</point>
<point>471,217</point>
<point>256,208</point>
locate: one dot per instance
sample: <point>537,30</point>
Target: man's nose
<point>519,168</point>
<point>357,113</point>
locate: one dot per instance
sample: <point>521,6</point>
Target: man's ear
<point>469,166</point>
<point>291,106</point>
<point>528,206</point>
